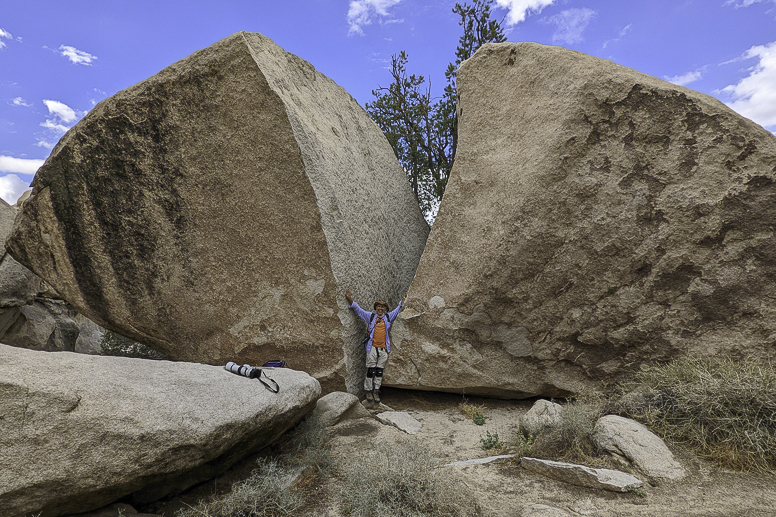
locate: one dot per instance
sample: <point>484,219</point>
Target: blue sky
<point>58,59</point>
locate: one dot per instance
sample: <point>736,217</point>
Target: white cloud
<point>19,165</point>
<point>754,96</point>
<point>45,144</point>
<point>685,79</point>
<point>18,101</point>
<point>518,9</point>
<point>746,3</point>
<point>12,187</point>
<point>77,57</point>
<point>62,117</point>
<point>571,24</point>
<point>61,110</point>
<point>4,34</point>
<point>362,12</point>
<point>622,34</point>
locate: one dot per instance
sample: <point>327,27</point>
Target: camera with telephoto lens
<point>245,370</point>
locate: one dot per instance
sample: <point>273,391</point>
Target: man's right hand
<point>348,297</point>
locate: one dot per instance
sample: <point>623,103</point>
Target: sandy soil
<point>504,489</point>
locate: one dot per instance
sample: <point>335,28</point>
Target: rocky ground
<point>503,488</point>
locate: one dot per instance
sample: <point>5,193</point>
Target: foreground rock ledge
<point>596,219</point>
<point>218,210</point>
<point>78,432</point>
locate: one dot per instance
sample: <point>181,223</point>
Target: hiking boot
<point>377,395</point>
<point>369,397</point>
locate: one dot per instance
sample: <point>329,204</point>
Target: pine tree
<point>423,135</point>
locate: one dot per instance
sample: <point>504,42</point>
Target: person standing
<point>378,344</point>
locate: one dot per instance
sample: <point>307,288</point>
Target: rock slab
<point>79,431</point>
<point>606,479</point>
<point>631,440</point>
<point>596,219</point>
<point>400,420</point>
<point>218,210</point>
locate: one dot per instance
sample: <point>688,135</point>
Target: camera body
<point>245,370</point>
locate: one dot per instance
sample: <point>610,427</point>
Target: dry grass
<point>278,486</point>
<point>725,410</point>
<point>571,440</point>
<point>264,494</point>
<point>475,412</point>
<point>403,480</point>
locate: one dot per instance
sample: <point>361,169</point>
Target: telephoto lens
<point>245,370</point>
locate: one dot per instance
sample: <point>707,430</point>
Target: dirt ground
<point>503,488</point>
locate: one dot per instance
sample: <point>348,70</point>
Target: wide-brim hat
<point>383,303</point>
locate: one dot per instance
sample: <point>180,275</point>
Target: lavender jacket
<point>366,316</point>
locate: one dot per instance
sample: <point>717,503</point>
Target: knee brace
<point>379,372</point>
<point>370,372</point>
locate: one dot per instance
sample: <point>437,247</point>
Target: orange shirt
<point>379,335</point>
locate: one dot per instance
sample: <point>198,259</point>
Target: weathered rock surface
<point>337,406</point>
<point>543,414</point>
<point>218,210</point>
<point>596,219</point>
<point>606,479</point>
<point>629,439</point>
<point>81,431</point>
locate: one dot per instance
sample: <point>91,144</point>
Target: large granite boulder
<point>80,431</point>
<point>596,218</point>
<point>218,210</point>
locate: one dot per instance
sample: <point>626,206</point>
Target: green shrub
<point>491,441</point>
<point>117,345</point>
<point>725,410</point>
<point>403,480</point>
<point>523,444</point>
<point>263,494</point>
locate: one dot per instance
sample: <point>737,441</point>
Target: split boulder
<point>81,431</point>
<point>218,210</point>
<point>595,219</point>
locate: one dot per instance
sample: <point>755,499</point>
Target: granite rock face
<point>81,431</point>
<point>218,210</point>
<point>596,219</point>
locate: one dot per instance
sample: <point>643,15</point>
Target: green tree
<point>424,135</point>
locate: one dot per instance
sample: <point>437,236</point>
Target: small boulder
<point>627,438</point>
<point>80,431</point>
<point>543,414</point>
<point>606,479</point>
<point>337,406</point>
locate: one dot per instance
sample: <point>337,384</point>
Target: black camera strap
<point>276,389</point>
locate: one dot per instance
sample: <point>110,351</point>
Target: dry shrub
<point>403,480</point>
<point>475,412</point>
<point>308,440</point>
<point>264,494</point>
<point>571,440</point>
<point>725,410</point>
